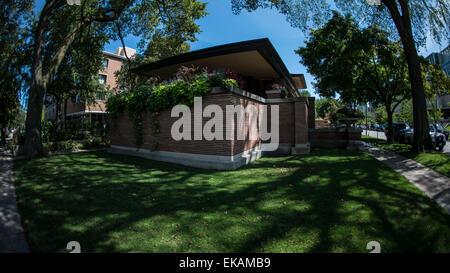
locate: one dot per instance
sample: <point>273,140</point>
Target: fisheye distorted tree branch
<point>60,24</point>
<point>411,21</point>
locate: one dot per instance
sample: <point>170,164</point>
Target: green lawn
<point>329,201</point>
<point>438,161</point>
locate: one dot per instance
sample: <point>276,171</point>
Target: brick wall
<point>114,64</point>
<point>333,137</point>
<point>122,132</point>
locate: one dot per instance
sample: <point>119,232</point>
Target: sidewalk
<point>433,184</point>
<point>12,238</point>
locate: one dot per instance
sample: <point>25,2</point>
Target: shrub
<point>62,146</point>
<point>216,79</point>
<point>239,79</point>
<point>229,83</point>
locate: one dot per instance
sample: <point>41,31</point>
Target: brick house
<point>76,108</point>
<point>260,65</point>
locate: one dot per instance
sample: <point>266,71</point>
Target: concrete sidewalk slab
<point>12,238</point>
<point>433,184</point>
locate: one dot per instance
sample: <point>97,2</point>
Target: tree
<point>325,106</point>
<point>380,115</point>
<point>13,58</point>
<point>361,65</point>
<point>413,20</point>
<point>405,112</point>
<point>436,84</point>
<point>304,93</point>
<point>77,76</point>
<point>161,47</point>
<point>60,24</point>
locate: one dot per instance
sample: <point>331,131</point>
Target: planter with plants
<point>346,116</point>
<point>188,83</point>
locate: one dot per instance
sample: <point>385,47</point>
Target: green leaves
<point>158,98</point>
<point>14,57</point>
<point>356,64</point>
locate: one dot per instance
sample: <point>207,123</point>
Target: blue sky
<point>221,26</point>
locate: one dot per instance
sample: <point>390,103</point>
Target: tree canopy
<point>13,57</point>
<point>326,106</point>
<point>413,20</point>
<point>436,84</point>
<point>427,16</point>
<point>77,74</point>
<point>60,24</point>
<point>361,65</point>
<point>158,48</point>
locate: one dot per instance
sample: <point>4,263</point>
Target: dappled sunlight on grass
<point>329,201</point>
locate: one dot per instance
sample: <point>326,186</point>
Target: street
<point>381,135</point>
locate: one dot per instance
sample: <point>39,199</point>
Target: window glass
<point>105,63</point>
<point>102,79</point>
<point>100,96</point>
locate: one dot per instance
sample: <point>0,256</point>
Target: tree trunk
<point>64,115</point>
<point>39,81</point>
<point>33,141</point>
<point>33,134</point>
<point>390,137</point>
<point>403,23</point>
<point>3,137</point>
<point>420,117</point>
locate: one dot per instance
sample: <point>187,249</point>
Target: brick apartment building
<point>97,111</point>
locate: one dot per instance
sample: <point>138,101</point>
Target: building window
<point>102,79</point>
<point>100,96</point>
<point>105,63</point>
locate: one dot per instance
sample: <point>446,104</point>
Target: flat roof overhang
<point>257,58</point>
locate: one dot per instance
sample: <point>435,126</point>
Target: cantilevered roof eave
<point>263,46</point>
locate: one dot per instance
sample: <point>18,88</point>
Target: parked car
<point>441,130</point>
<point>437,139</point>
<point>399,129</point>
<point>383,127</point>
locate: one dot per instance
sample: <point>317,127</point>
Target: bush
<point>71,145</point>
<point>62,146</point>
<point>229,83</point>
<point>55,131</point>
<point>216,80</point>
